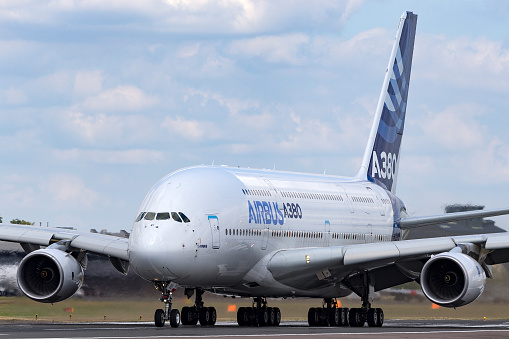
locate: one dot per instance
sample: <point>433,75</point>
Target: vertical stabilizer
<point>381,157</point>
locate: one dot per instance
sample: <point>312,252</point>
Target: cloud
<point>13,96</point>
<point>455,127</point>
<point>121,98</point>
<point>275,49</point>
<point>464,61</point>
<point>104,129</point>
<point>191,129</point>
<point>122,157</point>
<point>205,16</point>
<point>87,83</point>
<point>69,190</point>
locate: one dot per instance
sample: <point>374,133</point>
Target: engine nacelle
<point>49,275</point>
<point>452,279</point>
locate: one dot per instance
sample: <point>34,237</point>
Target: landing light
<point>307,259</point>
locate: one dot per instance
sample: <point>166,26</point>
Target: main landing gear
<point>161,316</point>
<point>331,315</point>
<point>259,314</point>
<point>198,312</point>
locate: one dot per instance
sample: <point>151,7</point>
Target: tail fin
<point>381,157</point>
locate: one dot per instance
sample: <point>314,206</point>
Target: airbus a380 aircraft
<point>267,234</point>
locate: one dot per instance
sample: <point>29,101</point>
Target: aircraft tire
<point>204,316</point>
<point>186,315</point>
<point>213,316</point>
<point>345,312</point>
<point>334,317</point>
<point>277,311</point>
<point>174,318</point>
<point>159,318</point>
<point>372,317</point>
<point>313,317</point>
<point>242,317</point>
<point>263,317</point>
<point>380,321</point>
<point>356,318</point>
<point>272,316</point>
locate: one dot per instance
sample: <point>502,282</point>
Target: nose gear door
<point>214,227</point>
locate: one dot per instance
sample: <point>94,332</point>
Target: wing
<point>389,263</point>
<point>413,222</point>
<point>32,237</point>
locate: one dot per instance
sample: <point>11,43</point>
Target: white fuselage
<point>239,218</point>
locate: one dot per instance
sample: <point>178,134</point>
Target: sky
<point>100,99</point>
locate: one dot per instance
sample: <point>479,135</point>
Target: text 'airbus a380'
<point>268,234</point>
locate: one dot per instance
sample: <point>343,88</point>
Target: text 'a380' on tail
<point>381,157</point>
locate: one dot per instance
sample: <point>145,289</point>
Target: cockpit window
<point>150,216</point>
<point>175,216</point>
<point>163,216</point>
<point>142,214</point>
<point>184,218</point>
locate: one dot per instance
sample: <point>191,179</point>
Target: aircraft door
<point>265,238</point>
<point>327,235</point>
<point>377,201</point>
<point>214,227</point>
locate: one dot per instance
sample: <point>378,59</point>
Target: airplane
<point>265,234</point>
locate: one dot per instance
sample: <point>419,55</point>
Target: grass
<point>83,310</point>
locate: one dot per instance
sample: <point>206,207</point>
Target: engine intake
<point>452,279</point>
<point>49,275</point>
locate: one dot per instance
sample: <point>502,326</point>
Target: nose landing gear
<point>160,315</point>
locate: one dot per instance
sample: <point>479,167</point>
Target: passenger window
<point>163,216</point>
<point>184,218</point>
<point>150,216</point>
<point>175,216</point>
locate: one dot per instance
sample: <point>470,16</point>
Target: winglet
<point>381,157</point>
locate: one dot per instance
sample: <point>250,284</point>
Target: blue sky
<point>100,99</point>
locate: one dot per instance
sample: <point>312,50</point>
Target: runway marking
<point>287,334</point>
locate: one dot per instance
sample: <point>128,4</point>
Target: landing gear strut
<point>161,316</point>
<point>198,312</point>
<point>365,289</point>
<point>259,314</point>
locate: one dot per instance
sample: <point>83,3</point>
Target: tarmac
<point>391,329</point>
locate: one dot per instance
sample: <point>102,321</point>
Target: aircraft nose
<point>148,255</point>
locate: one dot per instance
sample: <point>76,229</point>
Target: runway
<point>391,329</point>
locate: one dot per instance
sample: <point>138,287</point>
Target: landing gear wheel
<point>345,312</point>
<point>204,316</point>
<point>243,316</point>
<point>380,321</point>
<point>186,315</point>
<point>159,318</point>
<point>278,316</point>
<point>356,318</point>
<point>334,317</point>
<point>263,317</point>
<point>212,316</point>
<point>272,316</point>
<point>372,317</point>
<point>174,318</point>
<point>313,319</point>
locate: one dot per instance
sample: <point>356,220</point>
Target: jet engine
<point>452,279</point>
<point>49,275</point>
